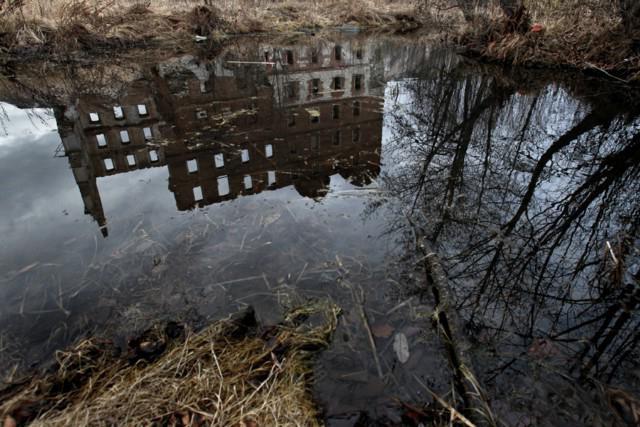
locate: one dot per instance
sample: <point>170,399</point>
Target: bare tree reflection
<point>531,197</point>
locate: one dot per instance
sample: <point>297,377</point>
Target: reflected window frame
<point>192,166</point>
<point>118,112</point>
<point>198,194</point>
<point>109,164</point>
<point>289,57</point>
<point>154,156</point>
<point>247,182</point>
<point>337,83</point>
<point>142,110</point>
<point>337,52</point>
<point>223,184</point>
<point>244,155</point>
<point>101,140</point>
<point>125,138</point>
<point>218,160</point>
<point>315,141</point>
<point>337,137</point>
<point>358,80</point>
<point>271,178</point>
<point>356,134</point>
<point>291,90</point>
<point>315,86</point>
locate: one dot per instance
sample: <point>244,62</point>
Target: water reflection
<point>228,128</point>
<point>304,119</point>
<point>525,185</point>
<point>530,194</point>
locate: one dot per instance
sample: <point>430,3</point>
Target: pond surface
<point>189,185</point>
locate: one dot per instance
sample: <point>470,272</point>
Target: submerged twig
<point>372,342</point>
<point>455,414</point>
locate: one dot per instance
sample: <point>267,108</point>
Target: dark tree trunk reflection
<point>532,199</point>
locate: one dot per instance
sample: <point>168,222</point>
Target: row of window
<point>314,116</point>
<point>337,84</point>
<point>218,158</point>
<point>315,55</point>
<point>337,136</point>
<point>118,113</point>
<point>101,139</point>
<point>224,189</point>
<point>131,159</point>
<point>336,139</point>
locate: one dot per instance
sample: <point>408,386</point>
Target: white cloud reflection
<point>16,124</point>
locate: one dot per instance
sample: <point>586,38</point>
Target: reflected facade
<point>287,116</point>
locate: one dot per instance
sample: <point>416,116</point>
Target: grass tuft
<point>222,375</point>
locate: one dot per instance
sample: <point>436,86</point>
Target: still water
<point>189,185</point>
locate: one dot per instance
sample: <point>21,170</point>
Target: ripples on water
<point>189,186</point>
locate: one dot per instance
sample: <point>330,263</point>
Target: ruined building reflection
<point>225,129</point>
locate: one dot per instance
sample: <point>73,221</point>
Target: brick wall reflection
<point>287,116</point>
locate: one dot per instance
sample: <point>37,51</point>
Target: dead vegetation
<point>63,26</point>
<point>227,374</point>
<point>588,35</point>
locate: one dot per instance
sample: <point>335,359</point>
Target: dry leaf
<point>401,347</point>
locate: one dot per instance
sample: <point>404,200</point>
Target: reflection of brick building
<point>101,139</point>
<point>250,162</point>
<point>227,129</point>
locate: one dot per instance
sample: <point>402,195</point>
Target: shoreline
<point>82,30</point>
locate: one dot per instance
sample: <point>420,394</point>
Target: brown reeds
<point>564,33</point>
<point>64,26</point>
<point>222,375</point>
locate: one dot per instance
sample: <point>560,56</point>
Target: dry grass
<point>576,33</point>
<point>71,25</point>
<point>215,377</point>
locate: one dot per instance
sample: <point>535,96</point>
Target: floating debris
<point>401,347</point>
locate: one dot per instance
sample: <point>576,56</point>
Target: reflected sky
<point>243,184</point>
